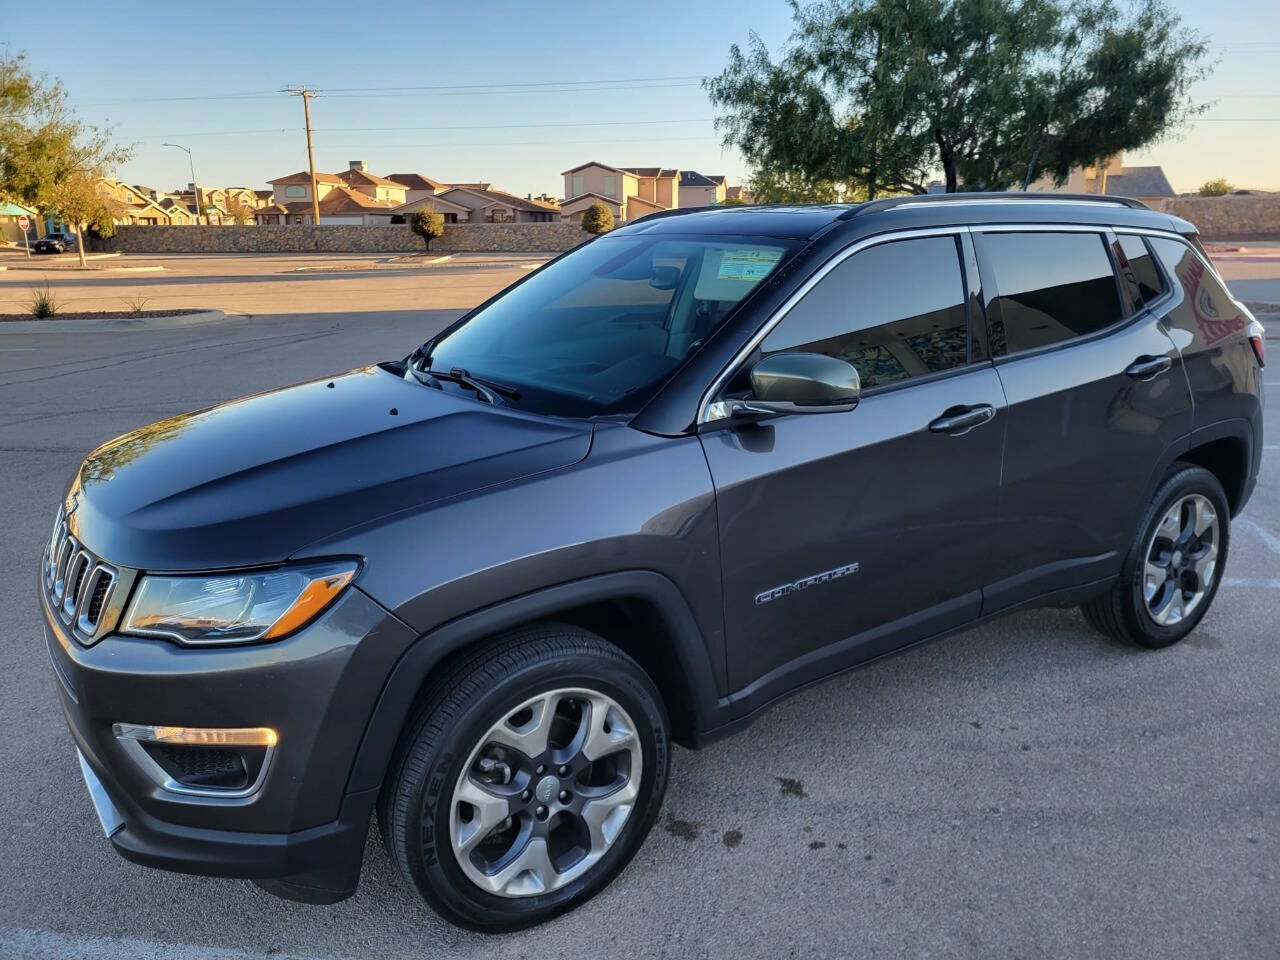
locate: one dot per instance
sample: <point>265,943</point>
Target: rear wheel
<point>529,778</point>
<point>1172,571</point>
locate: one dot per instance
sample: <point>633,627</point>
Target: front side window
<point>1052,287</point>
<point>600,330</point>
<point>1139,270</point>
<point>894,311</point>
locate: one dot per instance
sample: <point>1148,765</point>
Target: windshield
<point>600,330</point>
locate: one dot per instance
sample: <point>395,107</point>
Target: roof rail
<point>875,206</point>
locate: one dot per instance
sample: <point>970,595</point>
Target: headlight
<point>235,607</point>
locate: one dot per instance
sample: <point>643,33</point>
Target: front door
<point>844,535</point>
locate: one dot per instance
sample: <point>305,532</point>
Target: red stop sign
<point>24,222</point>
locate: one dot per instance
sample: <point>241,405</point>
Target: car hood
<point>255,480</point>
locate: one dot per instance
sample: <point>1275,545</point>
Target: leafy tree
<point>597,219</point>
<point>1216,188</point>
<point>427,224</point>
<point>240,211</point>
<point>49,159</point>
<point>882,93</point>
<point>772,185</point>
<point>77,200</point>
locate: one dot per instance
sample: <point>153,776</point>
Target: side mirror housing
<point>796,383</point>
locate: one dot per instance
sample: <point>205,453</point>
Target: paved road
<point>1024,789</point>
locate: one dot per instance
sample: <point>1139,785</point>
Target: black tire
<point>1121,612</point>
<point>453,717</point>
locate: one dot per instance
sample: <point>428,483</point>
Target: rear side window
<point>1139,270</point>
<point>1052,287</point>
<point>894,311</point>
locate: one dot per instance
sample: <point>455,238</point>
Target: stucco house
<point>296,187</point>
<point>1112,178</point>
<point>9,229</point>
<point>359,179</point>
<point>418,186</point>
<point>631,192</point>
<point>473,204</point>
<point>698,190</point>
<point>129,205</point>
<point>339,206</point>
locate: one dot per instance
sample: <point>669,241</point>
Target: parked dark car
<point>55,243</point>
<point>673,476</point>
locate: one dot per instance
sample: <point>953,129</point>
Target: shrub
<point>1216,188</point>
<point>597,219</point>
<point>427,224</point>
<point>43,303</point>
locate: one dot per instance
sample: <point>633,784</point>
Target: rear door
<point>844,535</point>
<point>1097,400</point>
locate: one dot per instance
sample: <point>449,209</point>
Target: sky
<point>617,83</point>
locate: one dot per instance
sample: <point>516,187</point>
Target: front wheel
<point>1172,571</point>
<point>529,777</point>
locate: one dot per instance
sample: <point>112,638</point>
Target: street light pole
<point>195,188</point>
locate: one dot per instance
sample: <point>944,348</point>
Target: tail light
<point>1258,337</point>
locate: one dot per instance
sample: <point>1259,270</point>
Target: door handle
<point>1148,368</point>
<point>959,420</point>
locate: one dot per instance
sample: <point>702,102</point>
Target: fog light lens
<point>199,736</point>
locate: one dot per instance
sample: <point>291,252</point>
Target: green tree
<point>78,201</point>
<point>994,93</point>
<point>597,219</point>
<point>427,224</point>
<point>240,211</point>
<point>1216,188</point>
<point>49,159</point>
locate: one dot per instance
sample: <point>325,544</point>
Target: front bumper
<point>317,689</point>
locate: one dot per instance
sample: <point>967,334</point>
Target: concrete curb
<point>112,325</point>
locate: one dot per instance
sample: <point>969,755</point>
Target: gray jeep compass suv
<point>674,475</point>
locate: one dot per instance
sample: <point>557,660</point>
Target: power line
<point>397,129</point>
<point>644,83</point>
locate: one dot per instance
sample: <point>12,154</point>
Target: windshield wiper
<point>487,390</point>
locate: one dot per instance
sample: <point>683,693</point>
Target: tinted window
<point>1139,270</point>
<point>1053,286</point>
<point>598,331</point>
<point>894,311</point>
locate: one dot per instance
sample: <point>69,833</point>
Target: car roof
<point>807,221</point>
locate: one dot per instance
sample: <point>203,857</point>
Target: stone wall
<point>1252,217</point>
<point>458,238</point>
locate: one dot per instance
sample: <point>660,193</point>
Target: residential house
<point>180,213</point>
<point>473,204</point>
<point>358,178</point>
<point>131,206</point>
<point>1112,178</point>
<point>418,186</point>
<point>697,190</point>
<point>296,187</point>
<point>9,229</point>
<point>340,205</point>
<point>631,192</point>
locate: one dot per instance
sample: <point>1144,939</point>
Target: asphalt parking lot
<point>1023,789</point>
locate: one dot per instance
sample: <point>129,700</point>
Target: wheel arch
<point>641,611</point>
<point>1225,449</point>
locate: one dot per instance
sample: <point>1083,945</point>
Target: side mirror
<point>796,383</point>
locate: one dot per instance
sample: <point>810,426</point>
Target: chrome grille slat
<point>73,577</point>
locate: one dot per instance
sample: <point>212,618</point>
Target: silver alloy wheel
<point>545,792</point>
<point>1180,560</point>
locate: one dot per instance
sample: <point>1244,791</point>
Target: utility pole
<point>195,188</point>
<point>306,94</point>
